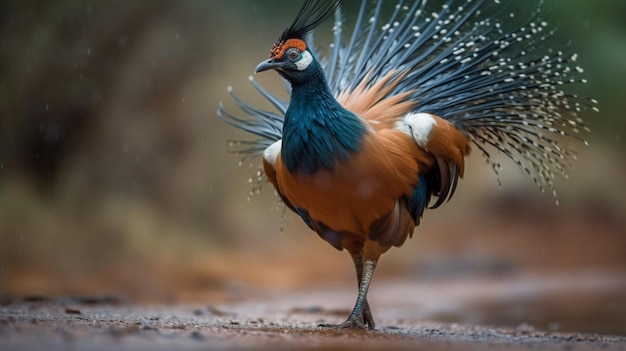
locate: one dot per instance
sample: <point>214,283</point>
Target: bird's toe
<point>351,323</point>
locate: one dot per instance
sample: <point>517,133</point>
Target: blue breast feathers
<point>318,131</point>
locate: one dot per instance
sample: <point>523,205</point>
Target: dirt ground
<point>516,280</point>
<point>270,320</point>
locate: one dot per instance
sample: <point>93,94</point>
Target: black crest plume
<point>311,14</point>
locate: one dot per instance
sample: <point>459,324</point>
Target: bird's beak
<point>267,64</point>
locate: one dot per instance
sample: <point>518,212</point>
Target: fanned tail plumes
<point>497,82</point>
<point>266,125</point>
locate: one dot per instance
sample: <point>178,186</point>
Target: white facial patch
<point>271,153</point>
<point>304,61</point>
<point>418,126</point>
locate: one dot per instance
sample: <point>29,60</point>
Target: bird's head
<point>290,56</point>
<point>291,59</point>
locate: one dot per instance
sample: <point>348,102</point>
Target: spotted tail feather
<point>498,82</point>
<point>266,125</point>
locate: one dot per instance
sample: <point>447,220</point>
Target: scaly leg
<point>368,318</point>
<point>361,315</point>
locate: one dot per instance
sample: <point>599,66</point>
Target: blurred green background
<point>115,176</point>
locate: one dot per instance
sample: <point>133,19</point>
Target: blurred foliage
<point>60,59</point>
<point>597,30</point>
<point>110,149</point>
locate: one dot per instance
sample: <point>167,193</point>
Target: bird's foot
<point>352,322</point>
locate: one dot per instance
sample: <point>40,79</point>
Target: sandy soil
<point>288,320</point>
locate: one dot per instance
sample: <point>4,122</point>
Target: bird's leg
<point>361,315</point>
<point>368,319</point>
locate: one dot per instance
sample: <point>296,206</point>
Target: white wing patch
<point>418,126</point>
<point>271,153</point>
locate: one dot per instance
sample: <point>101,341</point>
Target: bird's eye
<point>294,54</point>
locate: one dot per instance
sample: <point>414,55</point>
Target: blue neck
<point>318,131</point>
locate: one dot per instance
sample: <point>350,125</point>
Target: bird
<point>378,125</point>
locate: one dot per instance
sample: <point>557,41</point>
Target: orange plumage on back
<point>374,104</point>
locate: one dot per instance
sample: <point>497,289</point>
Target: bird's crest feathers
<point>311,14</point>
